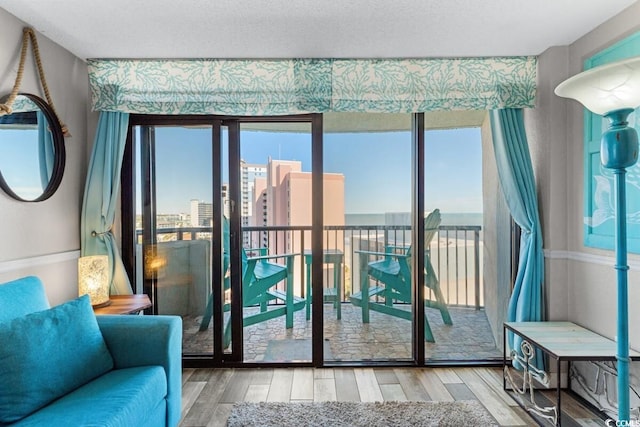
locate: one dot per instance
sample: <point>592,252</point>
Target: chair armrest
<point>392,248</point>
<point>383,254</point>
<point>261,251</point>
<point>265,257</point>
<point>148,340</point>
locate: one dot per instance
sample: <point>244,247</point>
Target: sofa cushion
<point>47,354</point>
<point>20,297</point>
<point>122,397</point>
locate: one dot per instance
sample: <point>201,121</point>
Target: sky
<point>376,166</point>
<point>19,162</point>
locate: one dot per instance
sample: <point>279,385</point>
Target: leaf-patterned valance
<point>293,86</point>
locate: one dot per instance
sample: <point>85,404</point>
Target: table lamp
<point>613,91</point>
<point>93,279</point>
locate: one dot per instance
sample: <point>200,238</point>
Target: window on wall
<point>599,181</point>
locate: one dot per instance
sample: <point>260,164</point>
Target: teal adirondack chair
<point>392,274</point>
<point>259,280</point>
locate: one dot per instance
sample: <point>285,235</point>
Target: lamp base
<point>102,304</point>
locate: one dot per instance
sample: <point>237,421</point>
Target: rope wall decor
<point>29,34</point>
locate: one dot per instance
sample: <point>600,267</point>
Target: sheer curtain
<point>516,178</point>
<point>100,197</point>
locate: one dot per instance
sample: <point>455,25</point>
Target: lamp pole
<point>613,91</point>
<point>618,151</point>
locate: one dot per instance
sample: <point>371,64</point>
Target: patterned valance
<point>293,86</point>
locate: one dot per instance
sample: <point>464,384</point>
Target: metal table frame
<point>562,341</point>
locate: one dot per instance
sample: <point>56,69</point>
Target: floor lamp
<point>613,91</point>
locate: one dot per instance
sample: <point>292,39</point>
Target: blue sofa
<point>64,366</point>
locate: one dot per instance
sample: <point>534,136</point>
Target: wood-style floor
<point>209,394</point>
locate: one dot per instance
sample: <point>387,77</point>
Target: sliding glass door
<point>274,202</point>
<point>178,205</point>
<point>368,285</point>
<point>454,297</point>
<point>223,232</point>
<point>320,239</point>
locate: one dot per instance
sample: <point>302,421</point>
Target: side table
<point>125,304</point>
<point>562,341</point>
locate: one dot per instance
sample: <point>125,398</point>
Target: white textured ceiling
<point>311,28</point>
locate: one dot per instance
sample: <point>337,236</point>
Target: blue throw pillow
<point>47,354</point>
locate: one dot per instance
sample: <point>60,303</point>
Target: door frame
<point>234,358</point>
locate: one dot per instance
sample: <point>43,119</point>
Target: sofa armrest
<point>148,340</point>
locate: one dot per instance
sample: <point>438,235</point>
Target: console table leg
<point>559,393</point>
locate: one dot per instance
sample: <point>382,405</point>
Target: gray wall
<point>580,281</point>
<point>547,134</point>
<point>43,238</point>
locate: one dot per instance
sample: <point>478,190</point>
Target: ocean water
<point>404,218</point>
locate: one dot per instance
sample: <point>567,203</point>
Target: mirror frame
<point>59,150</point>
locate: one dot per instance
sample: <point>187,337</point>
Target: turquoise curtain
<point>45,150</point>
<point>297,86</point>
<point>518,185</point>
<point>100,196</point>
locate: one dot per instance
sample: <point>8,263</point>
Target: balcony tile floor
<point>384,338</point>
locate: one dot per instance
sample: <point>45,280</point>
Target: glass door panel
<point>274,205</point>
<point>454,294</point>
<point>367,238</point>
<point>174,225</point>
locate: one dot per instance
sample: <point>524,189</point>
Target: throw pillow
<point>47,354</point>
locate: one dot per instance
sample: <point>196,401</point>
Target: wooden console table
<point>562,341</point>
<point>125,304</point>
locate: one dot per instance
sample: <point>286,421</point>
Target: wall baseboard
<point>25,263</point>
<point>609,261</point>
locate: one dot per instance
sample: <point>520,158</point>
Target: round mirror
<point>32,152</point>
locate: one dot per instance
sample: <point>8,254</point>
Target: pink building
<point>284,198</point>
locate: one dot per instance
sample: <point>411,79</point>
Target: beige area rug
<point>355,414</point>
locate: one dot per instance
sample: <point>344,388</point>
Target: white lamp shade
<point>605,88</point>
<point>93,278</point>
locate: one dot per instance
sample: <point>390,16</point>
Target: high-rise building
<point>249,173</point>
<point>201,213</point>
<point>286,201</point>
<point>259,215</point>
<point>226,202</point>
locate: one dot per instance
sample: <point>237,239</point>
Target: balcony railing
<point>455,253</point>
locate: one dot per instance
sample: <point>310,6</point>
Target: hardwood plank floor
<point>208,394</point>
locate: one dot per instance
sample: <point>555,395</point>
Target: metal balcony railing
<point>455,253</point>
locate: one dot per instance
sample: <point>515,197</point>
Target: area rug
<point>360,414</point>
<point>292,350</point>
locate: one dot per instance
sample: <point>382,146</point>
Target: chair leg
<point>206,318</point>
<point>227,335</point>
<point>289,304</point>
<point>432,282</point>
<point>364,287</point>
<point>308,295</point>
<point>337,282</point>
<point>428,334</point>
<point>442,305</point>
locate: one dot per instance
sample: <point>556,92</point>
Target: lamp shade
<point>93,279</point>
<point>606,88</point>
